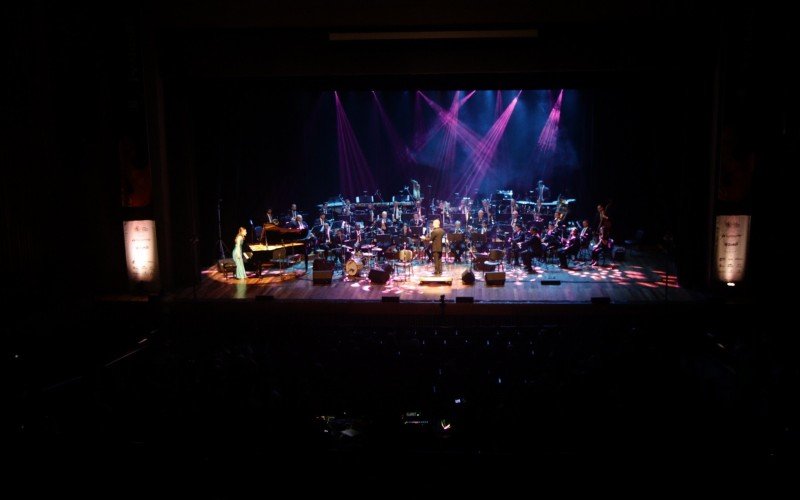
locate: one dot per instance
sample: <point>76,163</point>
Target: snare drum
<point>353,267</point>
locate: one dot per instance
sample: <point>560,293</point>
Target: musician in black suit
<point>585,234</point>
<point>437,233</point>
<point>356,238</point>
<point>404,238</point>
<point>321,220</point>
<point>460,246</point>
<point>336,249</point>
<point>531,247</point>
<point>479,218</point>
<point>383,224</point>
<point>485,229</point>
<point>268,218</point>
<point>516,240</point>
<point>571,248</point>
<point>515,218</point>
<point>298,223</point>
<point>551,237</point>
<point>603,243</point>
<point>323,236</point>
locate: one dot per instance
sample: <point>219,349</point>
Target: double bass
<point>604,220</point>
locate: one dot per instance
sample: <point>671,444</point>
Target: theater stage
<point>641,278</point>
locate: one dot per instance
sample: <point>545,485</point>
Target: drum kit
<point>360,259</point>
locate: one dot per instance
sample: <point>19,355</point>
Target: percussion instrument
<point>405,255</point>
<point>353,267</point>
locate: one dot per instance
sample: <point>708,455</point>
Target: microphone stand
<point>220,244</point>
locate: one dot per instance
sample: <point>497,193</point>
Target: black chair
<point>606,253</point>
<point>226,266</point>
<point>284,262</point>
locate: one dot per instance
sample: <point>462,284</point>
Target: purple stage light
<point>354,172</point>
<point>402,153</point>
<point>483,155</point>
<point>446,118</point>
<point>549,135</point>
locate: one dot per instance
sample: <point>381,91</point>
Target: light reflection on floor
<point>620,274</point>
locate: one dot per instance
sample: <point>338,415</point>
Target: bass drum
<point>353,267</point>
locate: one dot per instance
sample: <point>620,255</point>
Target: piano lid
<point>277,233</point>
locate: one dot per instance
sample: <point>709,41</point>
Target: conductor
<point>437,233</point>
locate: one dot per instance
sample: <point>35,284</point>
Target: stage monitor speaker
<point>322,277</point>
<point>468,277</point>
<point>378,275</point>
<point>465,300</point>
<point>551,282</point>
<point>495,278</point>
<point>323,265</point>
<point>601,300</point>
<point>266,298</point>
<point>390,298</point>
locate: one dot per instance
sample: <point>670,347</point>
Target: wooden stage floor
<point>642,278</point>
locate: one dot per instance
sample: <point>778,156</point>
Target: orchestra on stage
<point>496,229</point>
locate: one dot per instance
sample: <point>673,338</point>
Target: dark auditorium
<point>399,239</point>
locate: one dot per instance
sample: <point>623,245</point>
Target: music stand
<point>455,237</point>
<point>478,237</point>
<point>383,240</point>
<point>453,240</point>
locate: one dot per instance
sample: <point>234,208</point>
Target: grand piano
<point>280,242</point>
